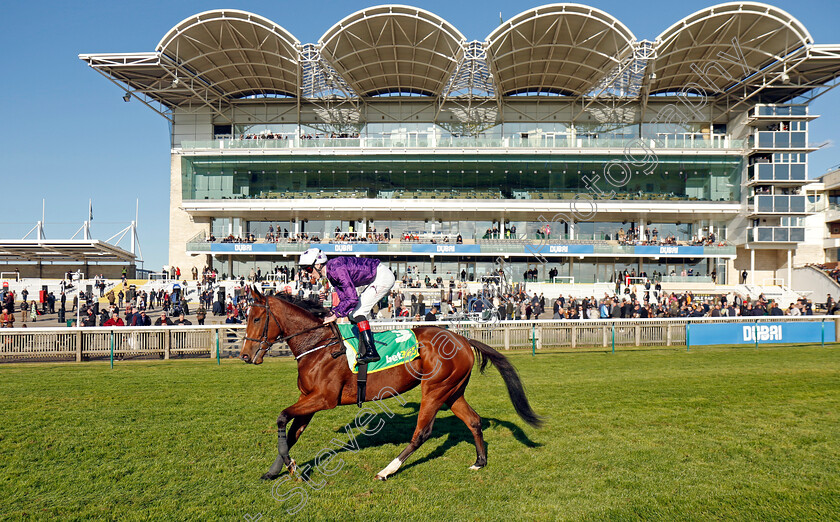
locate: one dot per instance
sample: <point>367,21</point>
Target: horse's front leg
<point>301,413</point>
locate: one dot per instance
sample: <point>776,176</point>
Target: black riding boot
<point>367,351</point>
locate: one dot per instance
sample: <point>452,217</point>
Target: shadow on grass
<point>399,429</point>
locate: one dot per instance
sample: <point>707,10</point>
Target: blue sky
<point>68,136</point>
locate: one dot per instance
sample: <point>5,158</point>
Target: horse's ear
<point>255,292</point>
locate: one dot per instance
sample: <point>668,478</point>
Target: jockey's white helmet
<point>312,256</point>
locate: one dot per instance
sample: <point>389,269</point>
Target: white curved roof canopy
<point>557,48</point>
<point>765,34</point>
<point>237,53</point>
<point>393,48</point>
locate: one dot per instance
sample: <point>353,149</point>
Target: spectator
<point>89,319</point>
<point>183,321</point>
<point>163,320</point>
<point>7,319</point>
<point>201,314</point>
<point>115,320</point>
<point>432,315</point>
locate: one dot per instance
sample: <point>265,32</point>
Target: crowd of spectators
<point>263,136</point>
<point>521,305</point>
<point>634,236</point>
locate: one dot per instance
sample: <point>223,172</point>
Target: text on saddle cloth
<point>395,346</point>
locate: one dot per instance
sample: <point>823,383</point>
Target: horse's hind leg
<point>425,421</point>
<point>463,411</point>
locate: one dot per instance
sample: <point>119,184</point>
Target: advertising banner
<point>706,334</point>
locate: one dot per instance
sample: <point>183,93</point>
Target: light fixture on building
<point>126,97</point>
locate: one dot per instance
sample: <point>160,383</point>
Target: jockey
<point>345,273</point>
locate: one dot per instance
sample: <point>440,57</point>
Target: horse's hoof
<point>381,477</point>
<point>474,467</point>
<point>268,476</point>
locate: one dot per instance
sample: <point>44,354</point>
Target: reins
<point>263,340</point>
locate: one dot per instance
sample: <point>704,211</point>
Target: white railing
<point>214,340</point>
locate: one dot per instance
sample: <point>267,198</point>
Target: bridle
<point>264,345</point>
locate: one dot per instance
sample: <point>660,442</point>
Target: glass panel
<point>797,204</point>
<point>799,110</point>
<point>782,140</point>
<point>782,172</point>
<point>780,234</point>
<point>797,172</point>
<point>780,204</point>
<point>765,171</point>
<point>797,139</point>
<point>765,203</point>
<point>765,234</point>
<point>765,140</point>
<point>797,234</point>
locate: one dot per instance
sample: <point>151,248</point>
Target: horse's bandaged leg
<point>389,469</point>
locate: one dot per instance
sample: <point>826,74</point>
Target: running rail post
<point>613,337</point>
<point>688,336</point>
<point>755,333</point>
<point>533,339</point>
<point>218,349</point>
<point>822,332</point>
<point>112,349</point>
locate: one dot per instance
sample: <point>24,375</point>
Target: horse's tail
<point>514,384</point>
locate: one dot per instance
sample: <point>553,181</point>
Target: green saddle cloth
<point>395,347</point>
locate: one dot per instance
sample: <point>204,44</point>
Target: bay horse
<point>325,381</point>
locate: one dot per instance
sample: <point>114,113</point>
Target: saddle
<point>395,346</point>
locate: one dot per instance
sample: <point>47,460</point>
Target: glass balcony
<point>776,235</point>
<point>678,141</point>
<point>770,204</point>
<point>782,172</point>
<point>781,110</point>
<point>781,140</point>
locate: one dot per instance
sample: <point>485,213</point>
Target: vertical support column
<point>230,266</point>
<point>574,336</point>
<point>572,229</point>
<point>507,338</point>
<point>638,332</point>
<point>642,226</point>
<point>789,269</point>
<point>167,345</point>
<point>78,344</point>
<point>752,266</point>
<point>668,336</point>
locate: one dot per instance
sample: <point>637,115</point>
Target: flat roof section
<point>63,250</point>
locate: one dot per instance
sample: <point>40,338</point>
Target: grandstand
<point>614,154</point>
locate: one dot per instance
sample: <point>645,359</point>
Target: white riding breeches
<point>375,291</point>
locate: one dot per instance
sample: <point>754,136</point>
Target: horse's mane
<point>310,305</point>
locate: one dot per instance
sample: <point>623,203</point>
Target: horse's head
<point>262,330</point>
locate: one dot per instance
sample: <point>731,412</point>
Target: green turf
<point>739,434</point>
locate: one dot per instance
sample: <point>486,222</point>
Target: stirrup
<point>370,356</point>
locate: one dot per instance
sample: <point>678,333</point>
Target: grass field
<point>712,434</point>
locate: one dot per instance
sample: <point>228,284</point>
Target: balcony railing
<point>780,140</point>
<point>681,141</point>
<point>776,234</point>
<point>515,247</point>
<point>772,204</point>
<point>771,172</point>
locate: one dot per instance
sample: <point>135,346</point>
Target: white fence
<point>165,342</point>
